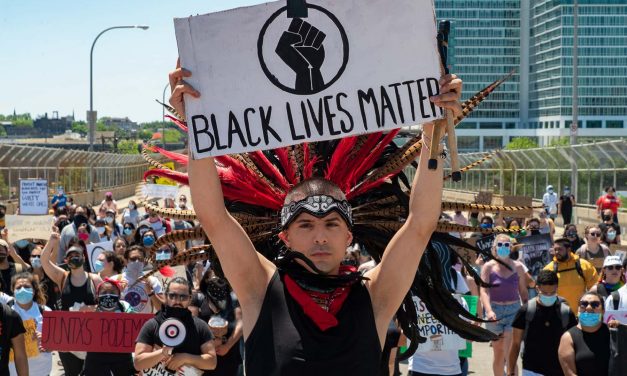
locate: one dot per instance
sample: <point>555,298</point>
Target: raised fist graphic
<point>300,47</point>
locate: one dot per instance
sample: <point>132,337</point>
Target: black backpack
<point>532,307</point>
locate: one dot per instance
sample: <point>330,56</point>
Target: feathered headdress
<point>368,168</point>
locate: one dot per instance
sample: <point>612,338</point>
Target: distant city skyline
<point>45,55</point>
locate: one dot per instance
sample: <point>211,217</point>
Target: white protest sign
<point>95,249</point>
<point>33,197</point>
<point>620,316</point>
<point>439,337</point>
<point>160,191</point>
<point>266,80</point>
<point>29,227</point>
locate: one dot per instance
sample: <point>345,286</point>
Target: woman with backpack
<point>612,277</point>
<point>29,304</point>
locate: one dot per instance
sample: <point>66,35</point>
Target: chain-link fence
<point>76,171</point>
<point>527,172</point>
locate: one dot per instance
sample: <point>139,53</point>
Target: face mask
<point>109,220</point>
<point>547,300</point>
<point>503,251</point>
<point>98,266</point>
<point>127,231</point>
<point>177,312</point>
<point>84,237</point>
<point>514,228</point>
<point>24,295</point>
<point>131,207</point>
<point>589,319</point>
<point>101,230</point>
<point>611,235</point>
<point>606,217</point>
<point>486,225</point>
<point>35,262</point>
<point>79,219</point>
<point>148,241</point>
<point>108,302</point>
<point>23,243</point>
<point>135,267</point>
<point>162,256</point>
<point>571,234</point>
<point>76,262</point>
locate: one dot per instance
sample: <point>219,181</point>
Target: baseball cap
<point>612,260</point>
<point>74,249</point>
<point>109,194</point>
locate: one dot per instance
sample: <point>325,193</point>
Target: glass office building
<point>489,38</point>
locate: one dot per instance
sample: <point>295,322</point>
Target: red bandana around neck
<point>323,319</point>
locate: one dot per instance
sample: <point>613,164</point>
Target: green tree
<point>80,127</point>
<point>560,141</point>
<point>521,143</point>
<point>127,147</point>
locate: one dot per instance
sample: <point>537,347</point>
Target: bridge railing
<point>76,171</point>
<point>527,172</point>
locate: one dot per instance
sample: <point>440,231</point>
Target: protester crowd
<point>551,316</point>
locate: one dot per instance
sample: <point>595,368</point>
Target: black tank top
<point>77,294</point>
<point>285,342</point>
<point>592,351</point>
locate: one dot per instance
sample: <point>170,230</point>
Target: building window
<point>510,125</point>
<point>569,122</point>
<point>468,143</point>
<point>466,125</point>
<point>594,124</point>
<point>614,124</point>
<point>490,125</point>
<point>492,142</point>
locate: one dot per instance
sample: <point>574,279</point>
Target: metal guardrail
<point>527,172</point>
<point>76,171</point>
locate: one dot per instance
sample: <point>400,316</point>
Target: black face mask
<point>535,232</point>
<point>177,312</point>
<point>108,302</point>
<point>606,217</point>
<point>79,220</point>
<point>76,262</point>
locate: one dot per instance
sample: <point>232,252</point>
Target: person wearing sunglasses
<point>612,277</point>
<point>610,230</point>
<point>502,301</point>
<point>570,233</point>
<point>576,275</point>
<point>197,351</point>
<point>594,247</point>
<point>585,349</point>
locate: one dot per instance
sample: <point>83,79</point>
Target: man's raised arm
<point>247,272</point>
<point>391,279</point>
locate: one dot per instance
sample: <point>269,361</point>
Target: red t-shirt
<point>609,202</point>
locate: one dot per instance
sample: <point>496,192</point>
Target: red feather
<point>176,157</point>
<point>167,271</point>
<point>284,158</point>
<point>339,159</point>
<point>269,170</point>
<point>360,170</point>
<point>308,162</point>
<point>178,123</point>
<point>178,177</point>
<point>367,187</point>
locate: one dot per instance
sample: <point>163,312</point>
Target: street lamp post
<point>163,113</point>
<point>91,115</point>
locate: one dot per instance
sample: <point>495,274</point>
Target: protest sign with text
<point>33,197</point>
<point>350,67</point>
<point>619,315</point>
<point>92,331</point>
<point>160,191</point>
<point>439,337</point>
<point>535,252</point>
<point>29,227</point>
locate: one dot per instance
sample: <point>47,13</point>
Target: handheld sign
<point>33,197</point>
<point>620,316</point>
<point>160,191</point>
<point>535,252</point>
<point>95,249</point>
<point>266,80</point>
<point>92,331</point>
<point>29,227</point>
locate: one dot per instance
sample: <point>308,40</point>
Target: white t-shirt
<point>609,302</point>
<point>41,364</point>
<point>136,296</point>
<point>437,362</point>
<point>550,201</point>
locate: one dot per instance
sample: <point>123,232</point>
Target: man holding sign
<point>309,316</point>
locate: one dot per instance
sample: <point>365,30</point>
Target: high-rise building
<point>490,38</point>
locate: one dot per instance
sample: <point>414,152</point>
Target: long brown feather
<point>474,164</point>
<point>456,206</point>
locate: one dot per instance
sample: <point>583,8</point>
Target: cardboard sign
<point>439,337</point>
<point>535,252</point>
<point>164,181</point>
<point>350,67</point>
<point>484,198</point>
<point>29,227</point>
<point>515,201</point>
<point>620,316</point>
<point>472,302</point>
<point>95,249</point>
<point>33,197</point>
<point>161,191</point>
<point>30,340</point>
<point>92,331</point>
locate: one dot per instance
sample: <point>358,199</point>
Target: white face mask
<point>109,220</point>
<point>101,230</point>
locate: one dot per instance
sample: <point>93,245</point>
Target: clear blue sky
<point>44,54</point>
